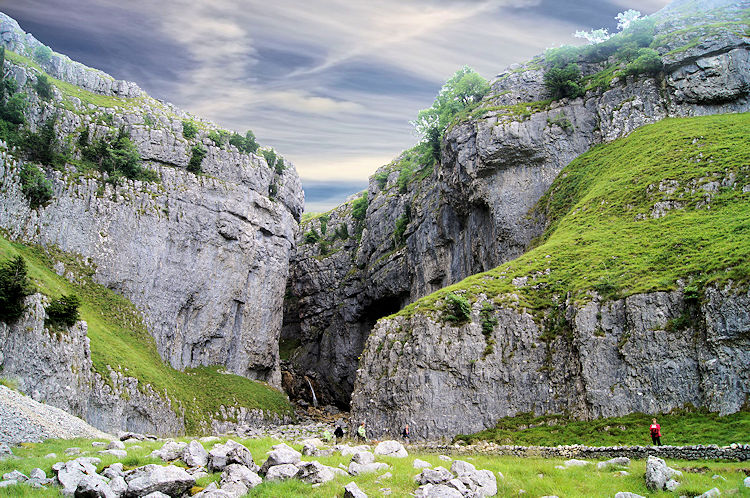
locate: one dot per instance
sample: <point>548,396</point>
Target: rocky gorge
<point>473,211</point>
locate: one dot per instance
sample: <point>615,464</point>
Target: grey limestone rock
<point>573,462</point>
<point>351,490</point>
<point>239,473</point>
<point>16,476</point>
<point>363,457</point>
<point>195,455</point>
<point>711,493</point>
<point>438,475</point>
<point>170,480</point>
<point>38,474</point>
<point>315,472</point>
<point>170,451</point>
<point>228,453</point>
<point>627,494</point>
<point>281,472</point>
<point>459,467</point>
<point>746,482</point>
<point>356,469</point>
<point>114,470</point>
<point>437,491</point>
<point>5,450</point>
<point>617,461</point>
<point>118,485</point>
<point>116,445</point>
<point>480,482</point>
<point>93,487</point>
<point>421,464</point>
<point>279,455</point>
<point>657,474</point>
<point>115,453</point>
<point>391,449</point>
<point>70,473</point>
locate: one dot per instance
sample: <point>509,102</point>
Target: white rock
<point>115,453</point>
<point>363,457</point>
<point>746,482</point>
<point>228,453</point>
<point>356,469</point>
<point>460,467</point>
<point>445,458</point>
<point>116,445</point>
<point>351,490</point>
<point>281,454</point>
<point>170,479</point>
<point>421,464</point>
<point>171,451</point>
<point>195,455</point>
<point>438,475</point>
<point>391,449</point>
<point>576,463</point>
<point>621,461</point>
<point>37,474</point>
<point>281,472</point>
<point>711,493</point>
<point>628,494</point>
<point>315,473</point>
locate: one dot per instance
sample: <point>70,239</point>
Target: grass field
<point>536,476</point>
<point>119,339</point>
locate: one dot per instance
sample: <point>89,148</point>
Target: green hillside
<point>120,340</point>
<point>663,205</point>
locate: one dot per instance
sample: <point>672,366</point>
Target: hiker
<point>406,433</point>
<point>338,433</point>
<point>327,435</point>
<point>655,430</point>
<point>361,433</point>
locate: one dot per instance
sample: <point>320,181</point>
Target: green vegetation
<point>34,185</point>
<point>398,234</point>
<point>43,87</point>
<point>311,237</point>
<point>189,129</point>
<point>463,90</point>
<point>681,427</point>
<point>14,287</point>
<point>116,155</point>
<point>120,341</point>
<point>247,144</point>
<point>63,311</point>
<point>456,309</point>
<point>42,54</point>
<point>605,233</point>
<point>564,82</point>
<point>536,476</point>
<point>274,161</point>
<point>197,154</point>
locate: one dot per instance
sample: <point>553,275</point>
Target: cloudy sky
<point>331,84</point>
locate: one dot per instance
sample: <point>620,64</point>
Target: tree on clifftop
<point>464,89</point>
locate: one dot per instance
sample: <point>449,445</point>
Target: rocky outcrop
<point>205,257</point>
<point>616,358</point>
<point>472,212</point>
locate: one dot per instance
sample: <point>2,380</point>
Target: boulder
<point>5,484</point>
<point>93,487</point>
<point>657,474</point>
<point>5,450</point>
<point>228,453</point>
<point>671,485</point>
<point>309,450</point>
<point>239,473</point>
<point>438,475</point>
<point>576,463</point>
<point>171,451</point>
<point>421,464</point>
<point>69,474</point>
<point>116,445</point>
<point>356,469</point>
<point>628,494</point>
<point>315,473</point>
<point>281,454</point>
<point>156,494</point>
<point>437,491</point>
<point>459,486</point>
<point>363,457</point>
<point>460,467</point>
<point>16,476</point>
<point>621,461</point>
<point>195,455</point>
<point>350,450</point>
<point>711,493</point>
<point>746,482</point>
<point>481,482</point>
<point>118,485</point>
<point>72,451</point>
<point>170,480</point>
<point>391,449</point>
<point>114,470</point>
<point>281,472</point>
<point>115,453</point>
<point>37,474</point>
<point>234,489</point>
<point>351,490</point>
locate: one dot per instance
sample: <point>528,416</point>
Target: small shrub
<point>14,287</point>
<point>382,178</point>
<point>189,129</point>
<point>564,82</point>
<point>311,237</point>
<point>678,323</point>
<point>43,87</point>
<point>63,311</point>
<point>35,185</point>
<point>487,319</point>
<point>219,137</point>
<point>197,154</point>
<point>11,384</point>
<point>359,208</point>
<point>398,235</point>
<point>648,61</point>
<point>324,224</point>
<point>270,156</point>
<point>273,189</point>
<point>562,121</point>
<point>247,144</point>
<point>43,54</point>
<point>342,232</point>
<point>14,108</point>
<point>457,309</point>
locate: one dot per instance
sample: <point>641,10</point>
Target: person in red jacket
<point>655,430</point>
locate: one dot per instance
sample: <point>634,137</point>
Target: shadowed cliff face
<point>204,257</point>
<point>472,212</point>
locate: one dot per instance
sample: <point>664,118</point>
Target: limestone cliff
<point>472,212</point>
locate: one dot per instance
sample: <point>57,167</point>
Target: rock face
<point>233,228</point>
<point>438,379</point>
<point>470,214</point>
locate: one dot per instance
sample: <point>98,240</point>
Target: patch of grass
<point>602,235</point>
<point>120,340</point>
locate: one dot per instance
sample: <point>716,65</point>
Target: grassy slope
<point>601,234</point>
<point>678,428</point>
<point>519,473</point>
<point>119,339</point>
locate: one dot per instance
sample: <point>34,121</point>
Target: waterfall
<point>315,399</point>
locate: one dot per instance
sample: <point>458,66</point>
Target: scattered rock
<point>657,473</point>
<point>93,487</point>
<point>171,451</point>
<point>239,473</point>
<point>38,474</point>
<point>628,494</point>
<point>230,452</point>
<point>281,472</point>
<point>621,461</point>
<point>115,453</point>
<point>384,477</point>
<point>16,476</point>
<point>391,449</point>
<point>73,451</point>
<point>438,475</point>
<point>746,482</point>
<point>421,464</point>
<point>156,494</point>
<point>437,491</point>
<point>351,450</point>
<point>5,450</point>
<point>481,482</point>
<point>169,479</point>
<point>309,450</point>
<point>116,445</point>
<point>351,490</point>
<point>281,454</point>
<point>69,474</point>
<point>5,484</point>
<point>98,444</point>
<point>195,455</point>
<point>363,457</point>
<point>460,467</point>
<point>356,469</point>
<point>315,473</point>
<point>114,470</point>
<point>118,485</point>
<point>671,485</point>
<point>445,458</point>
<point>717,476</point>
<point>50,455</point>
<point>711,493</point>
<point>576,463</point>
